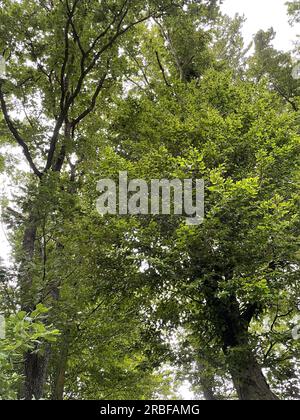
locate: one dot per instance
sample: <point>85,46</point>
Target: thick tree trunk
<point>206,382</point>
<point>35,374</point>
<point>249,380</point>
<point>35,365</point>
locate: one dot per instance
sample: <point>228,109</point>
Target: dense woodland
<point>130,307</point>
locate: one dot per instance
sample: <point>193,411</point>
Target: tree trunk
<point>208,393</point>
<point>248,379</point>
<point>25,278</point>
<point>36,366</point>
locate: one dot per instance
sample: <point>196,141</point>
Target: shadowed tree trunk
<point>61,81</point>
<point>232,326</point>
<point>208,391</point>
<point>206,383</point>
<point>249,380</point>
<point>25,278</point>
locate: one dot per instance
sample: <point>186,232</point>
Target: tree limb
<point>284,96</point>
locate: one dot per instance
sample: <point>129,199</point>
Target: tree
<point>219,278</point>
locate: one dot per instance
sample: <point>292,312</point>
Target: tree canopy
<point>128,307</point>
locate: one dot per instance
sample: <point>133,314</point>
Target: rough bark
<point>249,381</point>
<point>206,382</point>
<point>232,325</point>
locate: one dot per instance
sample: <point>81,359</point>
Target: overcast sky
<point>263,14</point>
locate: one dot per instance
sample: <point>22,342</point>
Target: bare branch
<point>17,135</point>
<point>141,68</point>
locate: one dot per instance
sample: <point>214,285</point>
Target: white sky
<point>263,14</point>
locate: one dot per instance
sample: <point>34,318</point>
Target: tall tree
<point>226,274</point>
<point>276,67</point>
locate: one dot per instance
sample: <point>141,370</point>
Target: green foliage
<point>24,332</point>
<point>238,136</point>
<point>294,10</point>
